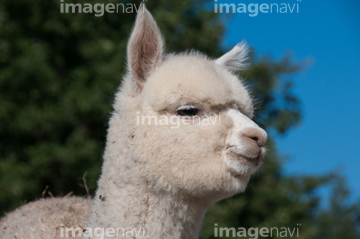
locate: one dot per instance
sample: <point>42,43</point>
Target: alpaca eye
<point>187,111</point>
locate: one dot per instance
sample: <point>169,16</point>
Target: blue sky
<point>328,33</point>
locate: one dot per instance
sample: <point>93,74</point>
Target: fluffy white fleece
<point>159,178</point>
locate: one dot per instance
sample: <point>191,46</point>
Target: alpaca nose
<point>256,134</point>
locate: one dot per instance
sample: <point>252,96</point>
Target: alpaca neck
<point>126,200</point>
<point>155,215</point>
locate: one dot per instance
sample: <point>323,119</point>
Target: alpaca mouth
<point>253,159</point>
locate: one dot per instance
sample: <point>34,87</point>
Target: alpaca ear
<point>145,47</point>
<point>235,59</point>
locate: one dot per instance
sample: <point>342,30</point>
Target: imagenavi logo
<point>254,9</point>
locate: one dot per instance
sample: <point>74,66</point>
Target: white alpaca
<point>159,179</point>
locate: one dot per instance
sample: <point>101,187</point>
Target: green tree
<point>58,76</point>
<point>342,217</point>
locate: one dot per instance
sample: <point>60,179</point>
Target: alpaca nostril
<point>256,139</point>
<point>255,134</point>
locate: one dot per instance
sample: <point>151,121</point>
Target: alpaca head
<point>191,126</point>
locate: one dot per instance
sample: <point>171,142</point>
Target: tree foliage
<point>58,76</point>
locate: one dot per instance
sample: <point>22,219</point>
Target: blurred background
<point>59,73</point>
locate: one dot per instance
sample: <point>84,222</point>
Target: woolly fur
<point>159,178</point>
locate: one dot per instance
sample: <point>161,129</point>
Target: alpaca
<point>159,178</point>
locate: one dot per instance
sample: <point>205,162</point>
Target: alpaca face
<point>198,136</point>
